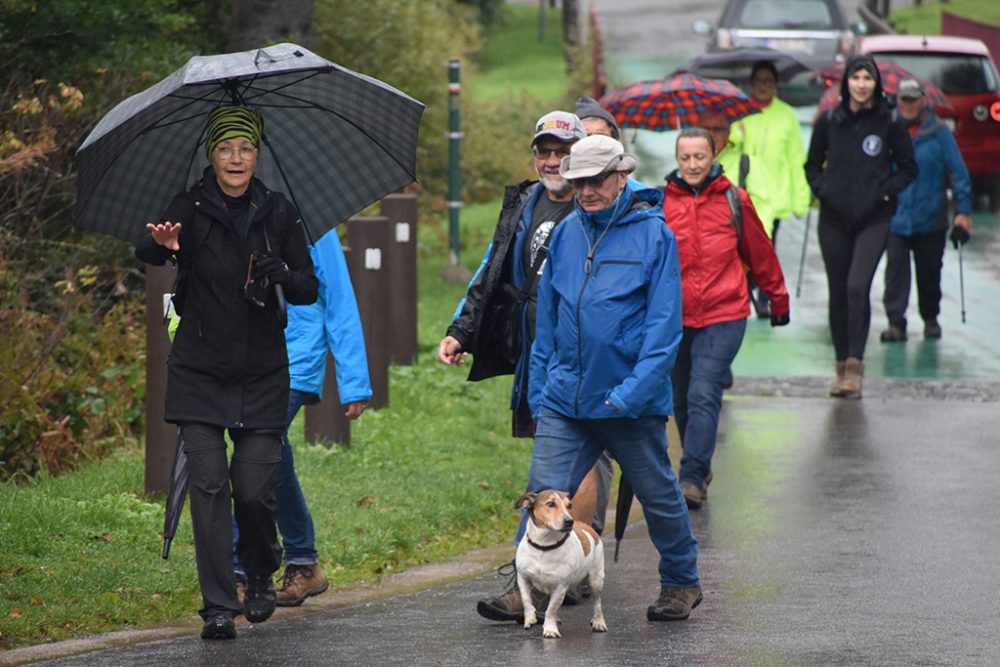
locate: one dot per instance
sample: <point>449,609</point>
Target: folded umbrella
<point>176,492</point>
<point>623,506</point>
<point>674,102</point>
<point>334,140</point>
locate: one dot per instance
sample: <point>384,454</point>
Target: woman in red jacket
<point>718,233</point>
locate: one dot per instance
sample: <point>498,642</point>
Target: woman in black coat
<point>860,158</point>
<point>237,246</point>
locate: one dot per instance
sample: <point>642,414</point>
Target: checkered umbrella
<point>334,140</point>
<point>890,73</point>
<point>674,102</point>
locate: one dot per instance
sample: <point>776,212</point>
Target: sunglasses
<point>593,181</point>
<point>546,153</point>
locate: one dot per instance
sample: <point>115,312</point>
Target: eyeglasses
<point>593,181</point>
<point>546,153</point>
<point>226,152</point>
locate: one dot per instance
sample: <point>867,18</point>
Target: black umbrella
<point>176,492</point>
<point>735,64</point>
<point>334,140</point>
<point>622,508</point>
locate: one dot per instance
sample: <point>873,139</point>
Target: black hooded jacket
<point>228,365</point>
<point>858,163</point>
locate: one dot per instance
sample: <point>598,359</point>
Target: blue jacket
<point>333,320</point>
<point>610,334</point>
<point>922,207</point>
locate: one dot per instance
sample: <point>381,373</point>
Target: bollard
<point>161,437</point>
<point>325,421</point>
<point>369,239</point>
<point>401,261</point>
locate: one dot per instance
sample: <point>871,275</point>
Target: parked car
<point>963,69</point>
<point>815,31</point>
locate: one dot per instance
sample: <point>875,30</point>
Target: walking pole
<point>802,259</point>
<point>961,280</point>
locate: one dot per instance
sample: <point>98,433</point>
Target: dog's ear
<point>525,502</point>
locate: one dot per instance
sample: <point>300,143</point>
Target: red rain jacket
<point>713,278</point>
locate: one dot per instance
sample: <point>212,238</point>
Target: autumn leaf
<point>484,485</point>
<point>15,613</point>
<point>367,500</point>
<point>67,625</point>
<point>35,601</point>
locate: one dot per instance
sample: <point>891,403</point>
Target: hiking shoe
<point>895,334</point>
<point>260,600</point>
<point>300,582</point>
<point>241,587</point>
<point>674,604</point>
<point>508,607</point>
<point>694,494</point>
<point>932,329</point>
<point>221,626</point>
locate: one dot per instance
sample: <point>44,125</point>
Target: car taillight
<point>724,38</point>
<point>995,111</point>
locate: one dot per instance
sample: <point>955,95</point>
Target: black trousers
<point>928,251</point>
<point>851,259</point>
<point>253,473</point>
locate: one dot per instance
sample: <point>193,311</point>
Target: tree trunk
<point>260,23</point>
<point>571,23</point>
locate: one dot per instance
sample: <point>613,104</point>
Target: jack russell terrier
<point>554,555</point>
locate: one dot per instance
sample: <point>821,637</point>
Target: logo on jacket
<point>872,145</point>
<point>540,242</point>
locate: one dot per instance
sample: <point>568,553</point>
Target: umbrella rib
<point>288,186</point>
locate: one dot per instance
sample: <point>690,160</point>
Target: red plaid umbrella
<point>674,102</point>
<point>890,73</point>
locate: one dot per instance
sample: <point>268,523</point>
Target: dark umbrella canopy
<point>334,140</point>
<point>735,65</point>
<point>176,492</point>
<point>674,102</point>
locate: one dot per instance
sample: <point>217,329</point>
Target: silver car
<point>816,32</point>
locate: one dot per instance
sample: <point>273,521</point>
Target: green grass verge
<point>432,476</point>
<point>926,19</point>
<point>514,61</point>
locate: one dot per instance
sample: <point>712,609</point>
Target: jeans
<point>294,520</point>
<point>703,358</point>
<point>566,449</point>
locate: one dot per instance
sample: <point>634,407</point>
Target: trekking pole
<point>802,259</point>
<point>961,280</point>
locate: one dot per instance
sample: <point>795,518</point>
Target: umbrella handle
<point>279,290</point>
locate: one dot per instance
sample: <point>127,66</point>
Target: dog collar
<point>548,547</point>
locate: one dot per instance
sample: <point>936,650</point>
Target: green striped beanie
<point>232,122</point>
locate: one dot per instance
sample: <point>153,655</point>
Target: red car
<point>963,69</point>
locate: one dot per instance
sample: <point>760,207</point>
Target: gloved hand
<point>780,320</point>
<point>268,270</point>
<point>959,235</point>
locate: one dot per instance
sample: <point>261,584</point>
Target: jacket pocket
<point>617,279</point>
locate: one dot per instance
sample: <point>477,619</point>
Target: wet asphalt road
<point>836,533</point>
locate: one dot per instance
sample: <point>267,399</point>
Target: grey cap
<point>910,89</point>
<point>588,107</point>
<point>595,155</point>
<point>562,125</point>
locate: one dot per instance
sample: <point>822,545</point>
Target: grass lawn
<point>926,19</point>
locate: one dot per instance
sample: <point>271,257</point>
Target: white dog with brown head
<point>554,555</point>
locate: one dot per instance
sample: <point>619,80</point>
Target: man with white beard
<point>496,319</point>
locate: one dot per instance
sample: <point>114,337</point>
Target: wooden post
<point>325,421</point>
<point>369,239</point>
<point>161,437</point>
<point>401,262</point>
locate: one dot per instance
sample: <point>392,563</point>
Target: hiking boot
<point>260,600</point>
<point>508,607</point>
<point>221,626</point>
<point>838,385</point>
<point>241,587</point>
<point>674,604</point>
<point>694,494</point>
<point>300,582</point>
<point>854,373</point>
<point>894,334</point>
<point>932,329</point>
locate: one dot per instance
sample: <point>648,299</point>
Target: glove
<point>959,235</point>
<point>780,320</point>
<point>268,270</point>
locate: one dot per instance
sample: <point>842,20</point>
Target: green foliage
<point>925,19</point>
<point>489,10</point>
<point>72,39</point>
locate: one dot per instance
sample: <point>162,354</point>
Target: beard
<point>557,185</point>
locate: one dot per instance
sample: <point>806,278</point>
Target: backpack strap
<point>736,208</point>
<point>744,170</point>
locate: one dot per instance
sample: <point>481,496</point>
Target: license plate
<point>793,45</point>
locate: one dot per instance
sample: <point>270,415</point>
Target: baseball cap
<point>595,155</point>
<point>910,89</point>
<point>562,125</point>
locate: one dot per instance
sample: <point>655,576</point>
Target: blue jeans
<point>295,523</point>
<point>703,358</point>
<point>566,449</point>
